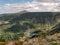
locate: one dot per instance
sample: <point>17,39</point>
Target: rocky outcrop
<point>36,41</point>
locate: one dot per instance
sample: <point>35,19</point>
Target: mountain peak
<point>23,11</point>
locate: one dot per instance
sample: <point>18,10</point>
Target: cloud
<point>9,8</point>
<point>31,6</point>
<point>42,7</point>
<point>47,1</point>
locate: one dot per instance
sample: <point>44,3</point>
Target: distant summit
<point>23,11</point>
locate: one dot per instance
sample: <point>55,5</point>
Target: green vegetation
<point>19,24</point>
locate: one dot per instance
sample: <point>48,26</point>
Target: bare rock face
<point>31,42</point>
<point>11,43</point>
<point>36,41</point>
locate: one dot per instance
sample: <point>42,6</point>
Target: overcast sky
<point>12,6</point>
<point>56,1</point>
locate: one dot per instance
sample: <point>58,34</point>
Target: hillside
<point>27,24</point>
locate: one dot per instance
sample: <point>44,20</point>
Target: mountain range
<point>17,24</point>
<point>24,15</point>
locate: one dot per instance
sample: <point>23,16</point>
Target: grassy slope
<point>19,23</point>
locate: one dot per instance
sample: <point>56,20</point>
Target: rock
<point>11,43</point>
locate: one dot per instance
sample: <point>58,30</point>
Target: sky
<point>3,2</point>
<point>13,6</point>
<point>56,1</point>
